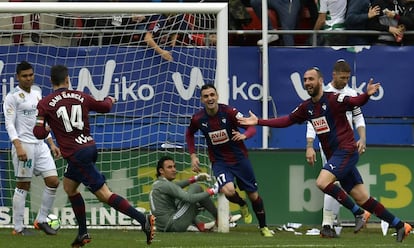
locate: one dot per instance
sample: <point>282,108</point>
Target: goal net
<point>152,57</point>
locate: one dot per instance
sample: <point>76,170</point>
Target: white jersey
<point>20,110</point>
<point>335,13</point>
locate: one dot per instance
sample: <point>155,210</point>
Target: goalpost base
<point>223,213</point>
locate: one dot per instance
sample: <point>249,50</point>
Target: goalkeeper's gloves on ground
<point>213,190</point>
<point>200,177</point>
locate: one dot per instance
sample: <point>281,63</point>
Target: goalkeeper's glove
<point>213,190</point>
<point>203,177</point>
<point>200,177</point>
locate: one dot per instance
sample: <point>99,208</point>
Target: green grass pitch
<point>240,236</point>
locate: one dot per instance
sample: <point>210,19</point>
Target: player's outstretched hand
<point>248,121</point>
<point>203,177</point>
<point>372,87</point>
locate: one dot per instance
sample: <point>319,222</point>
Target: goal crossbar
<point>110,7</point>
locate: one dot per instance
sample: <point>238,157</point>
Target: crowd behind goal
<point>74,29</point>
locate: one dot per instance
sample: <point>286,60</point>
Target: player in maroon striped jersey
<point>327,113</point>
<point>66,113</point>
<point>227,153</point>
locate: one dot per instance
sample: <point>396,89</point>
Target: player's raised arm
<point>103,106</point>
<point>362,99</point>
<point>252,120</point>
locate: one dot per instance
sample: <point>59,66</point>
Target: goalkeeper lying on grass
<point>175,208</point>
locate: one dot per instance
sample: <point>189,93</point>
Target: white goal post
<point>189,63</point>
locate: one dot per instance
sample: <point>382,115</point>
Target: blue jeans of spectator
<point>287,12</point>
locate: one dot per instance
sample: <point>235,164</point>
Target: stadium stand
<point>250,39</point>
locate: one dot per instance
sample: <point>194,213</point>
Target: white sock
<point>328,218</point>
<point>49,195</point>
<point>335,209</point>
<point>19,202</point>
<point>329,207</point>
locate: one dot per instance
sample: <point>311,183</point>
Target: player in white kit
<point>30,156</point>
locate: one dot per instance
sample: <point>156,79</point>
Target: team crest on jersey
<point>21,95</point>
<point>324,106</point>
<point>224,120</point>
<point>239,115</point>
<point>321,125</point>
<point>219,137</point>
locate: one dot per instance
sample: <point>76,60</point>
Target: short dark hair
<point>341,66</point>
<point>22,66</point>
<point>208,86</point>
<point>58,73</point>
<point>160,163</point>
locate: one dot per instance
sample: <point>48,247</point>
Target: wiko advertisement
<point>391,66</point>
<point>142,82</point>
<point>139,79</point>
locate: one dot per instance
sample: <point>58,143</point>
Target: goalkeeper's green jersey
<point>166,197</point>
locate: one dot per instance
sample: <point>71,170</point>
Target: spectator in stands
<point>123,22</point>
<point>406,18</point>
<point>175,208</point>
<point>160,32</point>
<point>313,10</point>
<point>287,12</point>
<point>357,16</point>
<point>201,39</point>
<point>385,24</point>
<point>62,20</point>
<point>156,31</point>
<point>117,22</point>
<point>127,23</point>
<point>18,25</point>
<point>238,15</point>
<point>311,14</point>
<point>177,29</point>
<point>331,17</point>
<point>92,23</point>
<point>202,22</point>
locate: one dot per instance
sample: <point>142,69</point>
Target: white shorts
<point>39,162</point>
